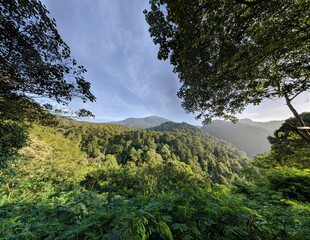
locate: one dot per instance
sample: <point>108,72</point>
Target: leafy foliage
<point>13,136</point>
<point>229,54</point>
<point>34,63</point>
<point>290,148</point>
<point>58,190</point>
<point>34,58</point>
<point>209,158</point>
<point>293,183</point>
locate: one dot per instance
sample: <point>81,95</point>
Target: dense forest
<point>79,180</point>
<point>66,179</point>
<point>252,136</point>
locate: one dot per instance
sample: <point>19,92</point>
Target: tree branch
<point>250,3</point>
<point>305,135</point>
<point>296,94</point>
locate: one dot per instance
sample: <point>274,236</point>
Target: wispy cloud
<point>111,40</point>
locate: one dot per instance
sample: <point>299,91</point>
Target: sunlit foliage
<point>144,189</point>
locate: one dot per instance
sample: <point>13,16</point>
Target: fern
<point>165,230</point>
<point>180,227</point>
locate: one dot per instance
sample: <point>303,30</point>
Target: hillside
<point>247,135</point>
<point>80,180</point>
<point>142,123</point>
<point>179,128</point>
<point>195,132</point>
<point>210,159</point>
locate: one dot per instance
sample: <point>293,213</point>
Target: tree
<point>13,136</point>
<point>34,62</point>
<point>289,147</point>
<point>229,54</point>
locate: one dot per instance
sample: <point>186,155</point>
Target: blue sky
<point>110,38</point>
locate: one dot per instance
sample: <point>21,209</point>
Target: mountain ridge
<point>248,135</point>
<point>143,122</point>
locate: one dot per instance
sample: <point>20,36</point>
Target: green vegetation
<point>34,59</point>
<point>143,123</point>
<point>34,63</point>
<point>230,54</point>
<point>290,148</point>
<point>63,179</point>
<point>81,180</point>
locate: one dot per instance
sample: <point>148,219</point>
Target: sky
<point>110,39</point>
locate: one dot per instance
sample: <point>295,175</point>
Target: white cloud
<point>111,40</point>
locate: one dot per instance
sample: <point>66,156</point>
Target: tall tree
<point>232,53</point>
<point>34,60</point>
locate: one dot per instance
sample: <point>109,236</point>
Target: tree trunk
<point>303,133</point>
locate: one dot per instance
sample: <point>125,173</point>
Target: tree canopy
<point>229,54</point>
<point>34,63</point>
<point>34,60</point>
<point>290,148</point>
<point>63,191</point>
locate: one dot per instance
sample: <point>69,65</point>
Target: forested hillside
<point>247,135</point>
<point>142,123</point>
<point>210,159</point>
<point>81,180</point>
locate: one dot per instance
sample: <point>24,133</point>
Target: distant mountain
<point>269,126</point>
<point>143,123</point>
<point>247,135</point>
<point>178,127</point>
